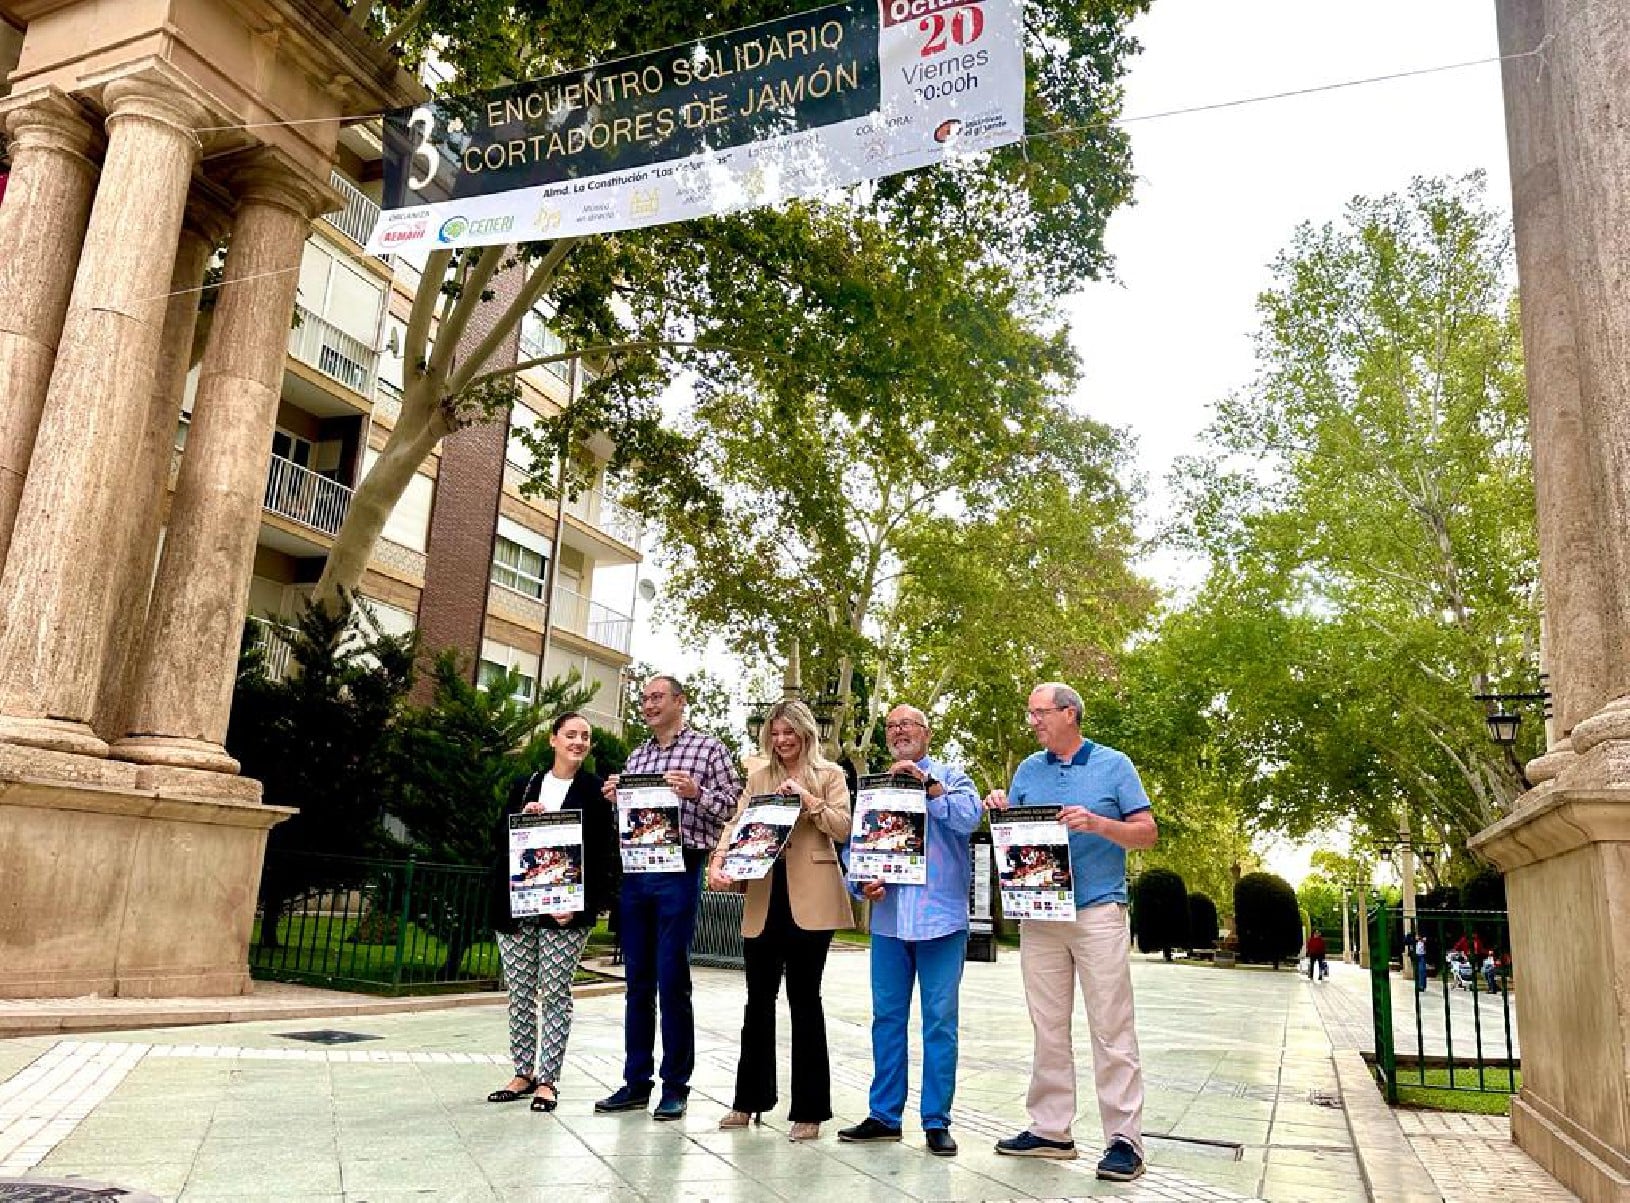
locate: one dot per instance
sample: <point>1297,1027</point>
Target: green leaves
<point>1368,508</point>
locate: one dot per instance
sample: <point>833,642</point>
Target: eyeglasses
<point>904,724</point>
<point>1035,715</point>
<point>654,697</point>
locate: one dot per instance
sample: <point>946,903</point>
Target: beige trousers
<point>1096,949</point>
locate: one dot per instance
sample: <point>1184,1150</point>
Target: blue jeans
<point>1420,973</point>
<point>656,918</point>
<point>897,965</point>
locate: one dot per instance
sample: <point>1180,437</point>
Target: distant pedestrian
<point>1491,971</point>
<point>1315,956</point>
<point>1420,964</point>
<point>1103,805</point>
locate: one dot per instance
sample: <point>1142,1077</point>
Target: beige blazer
<point>815,888</point>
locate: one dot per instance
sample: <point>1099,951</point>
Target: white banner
<point>793,107</point>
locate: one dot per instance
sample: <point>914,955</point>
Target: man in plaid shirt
<point>658,910</point>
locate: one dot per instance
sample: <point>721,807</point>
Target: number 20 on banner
<point>961,28</point>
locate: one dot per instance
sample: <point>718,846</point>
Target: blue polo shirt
<point>1103,781</point>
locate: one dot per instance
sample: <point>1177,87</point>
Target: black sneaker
<point>1028,1144</point>
<point>1121,1162</point>
<point>625,1098</point>
<point>867,1131</point>
<point>940,1142</point>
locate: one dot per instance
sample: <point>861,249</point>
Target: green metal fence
<point>1459,1033</point>
<point>384,926</point>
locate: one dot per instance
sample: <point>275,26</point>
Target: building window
<point>526,687</point>
<point>538,340</point>
<point>518,568</point>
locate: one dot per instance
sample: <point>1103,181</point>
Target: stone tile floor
<point>1472,1160</point>
<point>1238,1070</point>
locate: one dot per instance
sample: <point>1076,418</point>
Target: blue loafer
<point>669,1108</point>
<point>1121,1162</point>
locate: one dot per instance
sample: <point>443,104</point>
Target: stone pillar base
<point>52,735</point>
<point>1566,855</point>
<point>175,751</point>
<point>123,880</point>
<point>1593,1172</point>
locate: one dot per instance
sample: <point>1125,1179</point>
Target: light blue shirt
<point>939,907</point>
<point>1103,781</point>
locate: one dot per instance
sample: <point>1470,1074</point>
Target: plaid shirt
<point>702,818</point>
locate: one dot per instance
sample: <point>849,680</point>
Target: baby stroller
<point>1461,969</point>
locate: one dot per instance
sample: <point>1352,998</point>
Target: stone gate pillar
<point>202,229</point>
<point>56,592</point>
<point>42,226</point>
<point>181,694</point>
<point>1565,849</point>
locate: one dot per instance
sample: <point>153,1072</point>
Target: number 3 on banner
<point>423,121</point>
<point>962,29</point>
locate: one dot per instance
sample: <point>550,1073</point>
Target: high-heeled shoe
<point>739,1119</point>
<point>804,1131</point>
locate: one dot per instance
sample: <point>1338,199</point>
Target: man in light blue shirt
<point>920,936</point>
<point>1102,803</point>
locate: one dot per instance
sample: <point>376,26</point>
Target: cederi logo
<point>452,229</point>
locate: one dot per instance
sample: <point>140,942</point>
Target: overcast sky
<point>1218,195</point>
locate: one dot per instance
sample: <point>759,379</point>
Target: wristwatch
<point>930,781</point>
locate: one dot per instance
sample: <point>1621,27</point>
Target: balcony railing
<point>357,220</point>
<point>302,496</point>
<point>333,352</point>
<point>274,645</point>
<point>575,613</point>
<point>618,521</point>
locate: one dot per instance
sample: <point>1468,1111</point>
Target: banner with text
<point>792,107</point>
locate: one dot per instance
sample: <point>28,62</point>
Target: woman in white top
<point>541,952</point>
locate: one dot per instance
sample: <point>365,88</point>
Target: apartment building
<point>510,580</point>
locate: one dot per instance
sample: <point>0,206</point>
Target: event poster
<point>793,107</point>
<point>888,837</point>
<point>1033,863</point>
<point>648,825</point>
<point>980,920</point>
<point>760,836</point>
<point>545,863</point>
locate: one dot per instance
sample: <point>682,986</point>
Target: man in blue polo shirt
<point>920,937</point>
<point>1106,810</point>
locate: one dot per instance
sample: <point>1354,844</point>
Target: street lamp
<point>1503,723</point>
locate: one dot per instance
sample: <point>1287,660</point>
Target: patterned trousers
<point>539,963</point>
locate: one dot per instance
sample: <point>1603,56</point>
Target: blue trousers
<point>655,920</point>
<point>897,966</point>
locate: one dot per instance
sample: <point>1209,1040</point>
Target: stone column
<point>181,694</point>
<point>202,230</point>
<point>1565,475</point>
<point>42,227</point>
<point>56,600</point>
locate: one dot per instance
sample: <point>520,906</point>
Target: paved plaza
<point>1242,1104</point>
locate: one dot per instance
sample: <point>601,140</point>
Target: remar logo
<point>452,229</point>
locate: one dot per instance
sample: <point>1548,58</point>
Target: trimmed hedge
<point>1267,919</point>
<point>1203,927</point>
<point>1160,912</point>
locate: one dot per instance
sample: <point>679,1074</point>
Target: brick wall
<point>464,514</point>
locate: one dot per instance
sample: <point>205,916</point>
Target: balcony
<point>339,356</point>
<point>304,497</point>
<point>357,220</point>
<point>575,613</point>
<point>273,639</point>
<point>599,511</point>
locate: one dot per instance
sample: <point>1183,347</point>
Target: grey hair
<point>1064,696</point>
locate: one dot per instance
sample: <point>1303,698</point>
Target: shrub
<point>1202,921</point>
<point>1160,911</point>
<point>1267,919</point>
<point>1484,892</point>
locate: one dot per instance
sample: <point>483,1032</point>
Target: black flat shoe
<point>542,1103</point>
<point>939,1142</point>
<point>506,1095</point>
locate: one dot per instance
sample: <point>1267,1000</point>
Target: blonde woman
<point>788,923</point>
